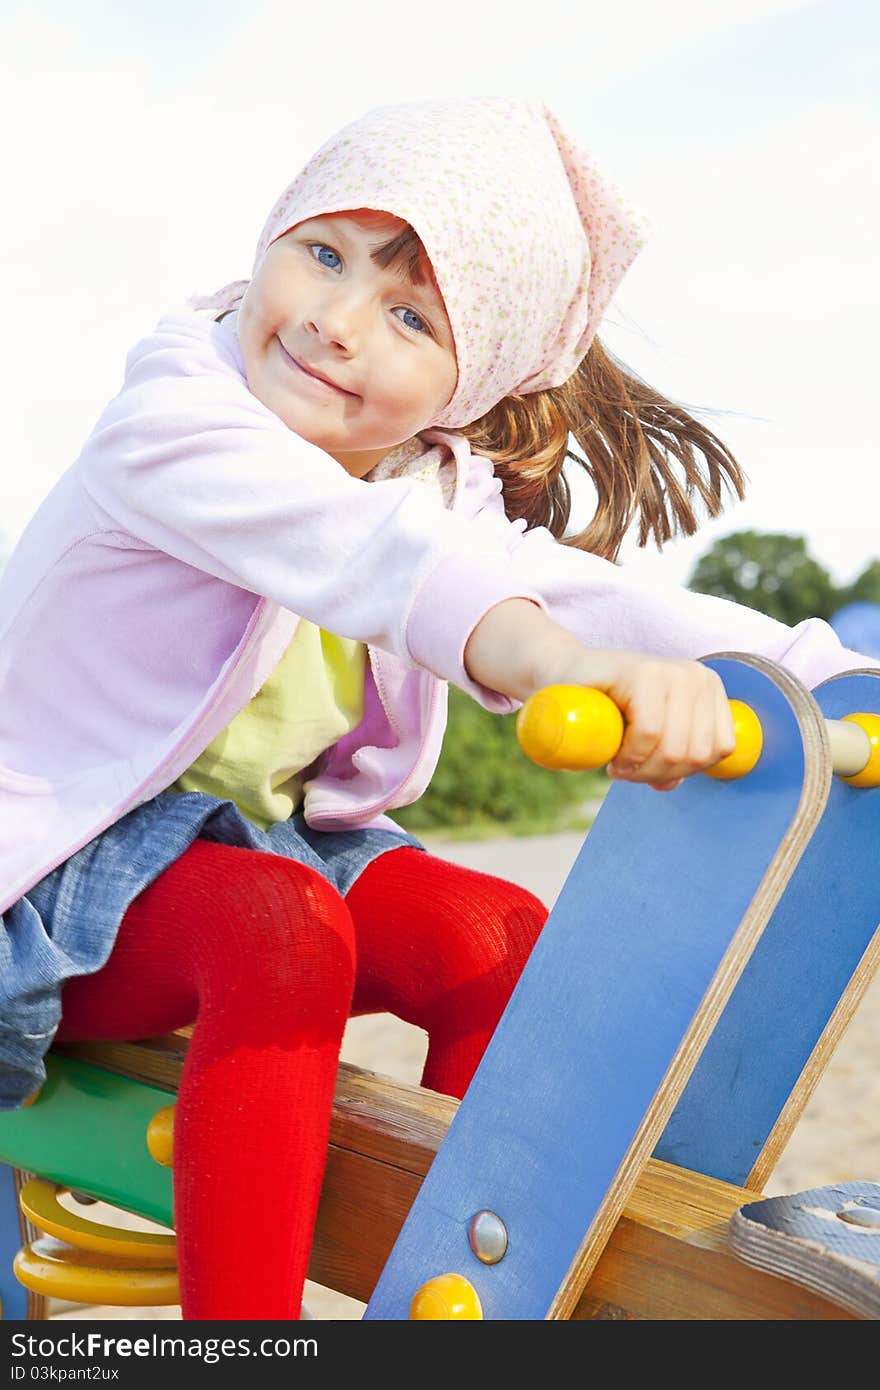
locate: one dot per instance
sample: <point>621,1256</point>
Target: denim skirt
<point>67,923</point>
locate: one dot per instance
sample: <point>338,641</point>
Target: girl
<point>227,634</point>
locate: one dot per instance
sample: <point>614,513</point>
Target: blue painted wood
<point>13,1294</point>
<point>802,1237</point>
<point>793,981</point>
<point>604,1007</point>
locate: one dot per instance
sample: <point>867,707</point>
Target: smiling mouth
<point>320,381</point>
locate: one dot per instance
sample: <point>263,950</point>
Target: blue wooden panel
<point>600,1012</point>
<point>13,1294</point>
<point>793,981</point>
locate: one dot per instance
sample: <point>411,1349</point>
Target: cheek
<point>439,386</point>
<point>268,314</point>
<point>251,322</point>
<point>245,331</point>
<point>267,301</point>
<point>397,390</point>
<point>450,382</point>
<point>433,381</point>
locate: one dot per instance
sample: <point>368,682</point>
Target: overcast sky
<point>145,143</point>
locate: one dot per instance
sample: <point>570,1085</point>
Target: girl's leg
<point>259,950</point>
<point>441,947</point>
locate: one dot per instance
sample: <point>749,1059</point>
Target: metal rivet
<point>861,1216</point>
<point>487,1234</point>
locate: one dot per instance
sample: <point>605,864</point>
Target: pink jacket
<point>164,575</point>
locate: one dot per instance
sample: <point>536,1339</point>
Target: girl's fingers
<point>645,725</point>
<point>674,757</point>
<point>657,755</point>
<point>724,729</point>
<point>671,735</point>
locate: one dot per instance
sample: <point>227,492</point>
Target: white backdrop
<point>144,145</point>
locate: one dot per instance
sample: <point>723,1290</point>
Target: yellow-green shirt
<point>313,697</point>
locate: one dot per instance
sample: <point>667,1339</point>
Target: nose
<point>339,319</point>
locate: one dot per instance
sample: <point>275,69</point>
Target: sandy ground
<point>837,1138</point>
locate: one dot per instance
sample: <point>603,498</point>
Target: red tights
<point>269,961</point>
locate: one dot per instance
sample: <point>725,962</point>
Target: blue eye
<point>325,255</point>
<point>412,320</point>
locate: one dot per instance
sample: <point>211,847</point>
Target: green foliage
<point>865,589</point>
<point>770,572</point>
<point>483,777</point>
<point>776,574</point>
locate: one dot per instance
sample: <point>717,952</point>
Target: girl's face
<point>353,357</point>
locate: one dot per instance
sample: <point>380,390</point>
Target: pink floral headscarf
<point>526,239</point>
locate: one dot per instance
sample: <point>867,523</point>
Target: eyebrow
<point>404,249</point>
<point>408,248</point>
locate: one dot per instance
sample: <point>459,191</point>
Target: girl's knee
<point>480,960</point>
<point>502,925</point>
<point>486,940</point>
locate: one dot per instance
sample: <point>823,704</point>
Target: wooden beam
<point>667,1257</point>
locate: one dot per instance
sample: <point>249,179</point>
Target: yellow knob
<point>160,1136</point>
<point>749,742</point>
<point>870,773</point>
<point>444,1298</point>
<point>569,727</point>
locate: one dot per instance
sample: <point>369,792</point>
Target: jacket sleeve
<point>607,606</point>
<point>187,461</point>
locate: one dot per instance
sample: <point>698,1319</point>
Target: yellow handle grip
<point>569,727</point>
<point>575,728</point>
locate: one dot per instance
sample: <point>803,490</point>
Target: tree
<point>865,589</point>
<point>770,572</point>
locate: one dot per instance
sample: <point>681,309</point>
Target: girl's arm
<point>597,614</point>
<point>607,605</point>
<point>678,719</point>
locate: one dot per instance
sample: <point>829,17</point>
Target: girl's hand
<point>677,717</point>
<point>676,713</point>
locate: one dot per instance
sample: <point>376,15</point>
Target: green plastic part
<point>87,1130</point>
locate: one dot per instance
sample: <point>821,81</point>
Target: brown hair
<point>405,250</point>
<point>631,438</point>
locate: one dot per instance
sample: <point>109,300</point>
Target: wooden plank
<point>652,928</point>
<point>654,1269</point>
<point>798,991</point>
<point>667,1257</point>
<point>384,1119</point>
